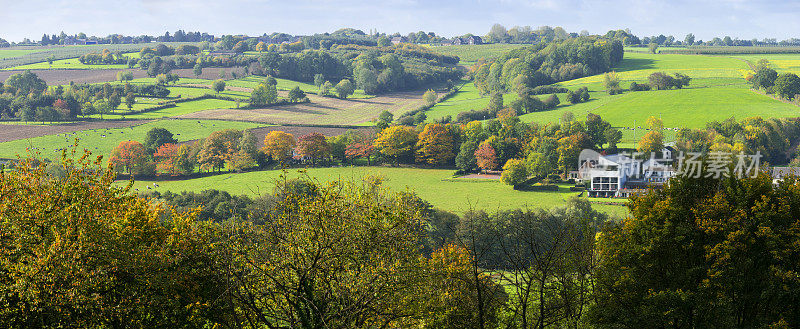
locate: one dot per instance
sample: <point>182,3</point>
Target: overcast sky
<point>745,19</point>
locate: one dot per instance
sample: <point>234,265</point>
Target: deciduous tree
<point>278,145</point>
<point>436,145</point>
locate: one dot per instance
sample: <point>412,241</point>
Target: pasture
<point>100,141</point>
<point>436,186</point>
<point>469,54</point>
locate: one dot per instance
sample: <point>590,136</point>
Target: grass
<point>685,108</point>
<point>7,53</point>
<point>179,109</point>
<point>433,185</point>
<point>467,98</point>
<point>717,92</point>
<point>469,54</point>
<point>103,141</point>
<point>70,63</point>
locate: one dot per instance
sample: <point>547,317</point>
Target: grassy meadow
<point>436,186</point>
<point>103,141</point>
<point>469,54</point>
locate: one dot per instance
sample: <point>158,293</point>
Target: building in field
<point>470,40</point>
<point>619,175</point>
<point>399,40</point>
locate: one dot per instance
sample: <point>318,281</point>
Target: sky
<point>745,19</point>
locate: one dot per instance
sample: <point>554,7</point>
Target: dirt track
<point>14,132</point>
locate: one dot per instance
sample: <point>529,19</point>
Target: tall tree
<point>278,145</point>
<point>437,145</point>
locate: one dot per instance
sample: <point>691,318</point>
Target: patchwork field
<point>436,186</point>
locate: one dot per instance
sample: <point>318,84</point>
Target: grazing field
<point>63,77</point>
<point>469,54</point>
<point>8,53</point>
<point>690,108</point>
<point>465,99</point>
<point>436,186</point>
<point>69,63</point>
<point>100,141</point>
<point>180,109</point>
<point>717,92</point>
<point>10,131</point>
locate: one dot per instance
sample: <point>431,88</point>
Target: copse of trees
<point>554,62</point>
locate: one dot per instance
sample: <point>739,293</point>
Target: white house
<point>619,175</point>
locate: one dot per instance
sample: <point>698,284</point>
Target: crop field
<point>436,186</point>
<point>100,141</point>
<point>321,110</point>
<point>780,62</point>
<point>469,54</point>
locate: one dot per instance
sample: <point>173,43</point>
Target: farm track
<point>15,132</point>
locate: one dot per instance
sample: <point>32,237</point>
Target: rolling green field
<point>69,63</point>
<point>470,54</point>
<point>6,53</point>
<point>102,141</point>
<point>717,91</point>
<point>179,109</point>
<point>433,185</point>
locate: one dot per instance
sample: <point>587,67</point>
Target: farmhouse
<point>621,176</point>
<point>398,40</point>
<point>470,40</point>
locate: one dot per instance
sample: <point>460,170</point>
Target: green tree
<point>130,100</point>
<point>611,83</point>
<point>218,86</point>
<point>701,253</point>
<point>296,94</point>
<point>430,97</point>
<point>158,136</point>
<point>197,70</point>
<point>652,47</point>
<point>495,102</point>
<point>344,88</point>
<point>787,85</point>
<point>319,79</point>
<point>514,173</point>
<point>263,95</point>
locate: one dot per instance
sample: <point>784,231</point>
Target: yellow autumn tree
<point>397,142</point>
<point>436,145</point>
<point>278,145</point>
<point>78,251</point>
